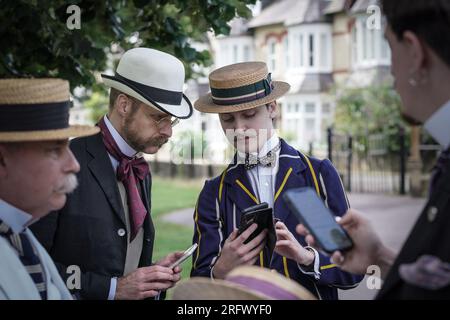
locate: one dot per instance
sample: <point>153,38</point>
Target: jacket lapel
<point>56,287</point>
<point>145,186</point>
<point>290,175</point>
<point>239,188</point>
<point>102,169</point>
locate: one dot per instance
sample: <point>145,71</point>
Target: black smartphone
<point>320,221</point>
<point>260,214</point>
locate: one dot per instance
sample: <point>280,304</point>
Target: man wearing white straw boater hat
<point>37,170</point>
<point>106,227</point>
<point>263,168</point>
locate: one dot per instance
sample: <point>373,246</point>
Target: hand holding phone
<point>318,219</point>
<point>260,214</point>
<point>186,254</point>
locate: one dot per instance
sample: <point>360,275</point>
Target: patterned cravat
<point>251,161</point>
<point>129,170</point>
<point>28,256</point>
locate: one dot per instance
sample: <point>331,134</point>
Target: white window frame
<point>368,46</point>
<point>272,56</point>
<point>287,52</point>
<point>299,39</point>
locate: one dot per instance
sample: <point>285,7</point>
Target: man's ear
<point>122,105</point>
<point>2,160</point>
<point>417,51</point>
<point>273,109</point>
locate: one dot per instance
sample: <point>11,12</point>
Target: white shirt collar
<point>269,145</point>
<point>15,218</point>
<point>438,126</point>
<point>121,143</point>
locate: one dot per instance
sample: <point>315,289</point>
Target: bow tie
<point>251,161</point>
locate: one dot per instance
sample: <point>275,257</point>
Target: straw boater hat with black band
<point>240,86</point>
<point>153,77</point>
<point>243,283</point>
<point>37,110</point>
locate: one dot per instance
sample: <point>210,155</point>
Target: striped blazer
<point>223,198</point>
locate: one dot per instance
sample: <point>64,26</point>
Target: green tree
<point>361,112</point>
<point>36,41</point>
<point>97,104</point>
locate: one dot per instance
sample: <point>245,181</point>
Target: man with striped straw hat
<point>37,170</point>
<point>263,168</point>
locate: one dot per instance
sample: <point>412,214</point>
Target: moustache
<point>158,142</point>
<point>69,185</point>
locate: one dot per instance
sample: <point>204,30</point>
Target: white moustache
<point>69,185</point>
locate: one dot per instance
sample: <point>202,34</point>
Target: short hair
<point>428,19</point>
<point>114,93</point>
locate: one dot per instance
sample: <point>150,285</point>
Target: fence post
<point>349,163</point>
<point>402,160</point>
<point>330,143</point>
<point>310,148</point>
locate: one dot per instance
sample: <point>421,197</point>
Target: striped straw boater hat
<point>243,283</point>
<point>240,86</point>
<point>37,110</point>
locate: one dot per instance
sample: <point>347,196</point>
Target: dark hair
<point>428,19</point>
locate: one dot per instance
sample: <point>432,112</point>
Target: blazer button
<point>121,232</point>
<point>431,213</point>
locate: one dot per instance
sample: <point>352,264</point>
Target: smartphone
<point>189,251</point>
<point>318,219</point>
<point>260,214</point>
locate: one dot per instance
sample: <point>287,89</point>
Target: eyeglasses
<point>161,123</point>
<point>173,121</point>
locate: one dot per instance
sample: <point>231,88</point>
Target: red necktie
<point>127,171</point>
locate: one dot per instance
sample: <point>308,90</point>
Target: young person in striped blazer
<point>263,168</point>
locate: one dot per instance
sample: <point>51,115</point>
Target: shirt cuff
<point>112,289</point>
<point>315,270</point>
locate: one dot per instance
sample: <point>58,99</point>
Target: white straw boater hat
<point>240,86</point>
<point>37,110</point>
<point>243,283</point>
<point>154,78</point>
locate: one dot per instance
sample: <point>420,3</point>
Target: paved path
<point>392,216</point>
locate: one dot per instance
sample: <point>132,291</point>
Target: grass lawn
<point>169,195</point>
<point>172,194</point>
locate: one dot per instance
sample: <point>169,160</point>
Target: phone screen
<point>312,212</point>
